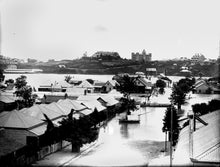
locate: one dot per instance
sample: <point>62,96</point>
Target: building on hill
<point>141,56</point>
<point>197,58</point>
<point>104,55</point>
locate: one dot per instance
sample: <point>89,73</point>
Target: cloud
<point>100,28</point>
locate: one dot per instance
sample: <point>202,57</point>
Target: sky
<point>66,29</point>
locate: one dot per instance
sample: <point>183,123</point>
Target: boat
<point>22,71</point>
<point>130,119</point>
<point>154,104</point>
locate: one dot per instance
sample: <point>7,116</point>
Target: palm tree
<point>127,86</point>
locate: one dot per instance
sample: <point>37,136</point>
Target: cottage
<point>110,85</point>
<point>85,84</point>
<point>143,85</point>
<point>7,102</point>
<point>98,86</point>
<point>202,87</point>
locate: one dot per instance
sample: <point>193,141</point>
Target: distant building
<point>51,60</point>
<point>31,60</point>
<point>141,56</point>
<point>12,66</point>
<point>151,71</point>
<point>197,58</point>
<point>102,55</point>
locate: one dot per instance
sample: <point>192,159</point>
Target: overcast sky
<point>65,29</point>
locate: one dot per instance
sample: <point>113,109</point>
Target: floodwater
<point>123,144</point>
<point>127,144</point>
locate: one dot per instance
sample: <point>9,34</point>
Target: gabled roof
<point>55,107</point>
<point>87,97</point>
<point>109,100</point>
<point>146,82</point>
<point>64,84</point>
<point>85,84</point>
<point>93,104</point>
<point>99,84</point>
<point>7,99</point>
<point>17,119</point>
<point>68,104</point>
<point>37,111</point>
<point>86,111</point>
<point>112,82</point>
<point>201,84</point>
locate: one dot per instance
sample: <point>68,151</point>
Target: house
<point>144,85</point>
<point>7,102</point>
<point>85,84</point>
<point>151,71</point>
<point>167,80</point>
<point>110,85</point>
<point>50,87</point>
<point>202,87</point>
<point>98,86</point>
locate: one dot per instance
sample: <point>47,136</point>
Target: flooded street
<point>127,144</point>
<point>134,144</point>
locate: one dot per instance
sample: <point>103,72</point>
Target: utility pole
<point>171,133</point>
<point>0,35</point>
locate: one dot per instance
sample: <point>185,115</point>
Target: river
<point>37,79</point>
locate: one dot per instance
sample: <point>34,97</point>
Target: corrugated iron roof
<point>17,119</point>
<point>206,141</point>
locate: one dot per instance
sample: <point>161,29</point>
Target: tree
<point>177,97</point>
<point>2,77</point>
<point>68,78</point>
<point>9,81</point>
<point>175,124</point>
<point>20,82</point>
<point>160,83</point>
<point>126,85</point>
<point>78,132</point>
<point>186,84</point>
<point>24,91</point>
<point>129,104</point>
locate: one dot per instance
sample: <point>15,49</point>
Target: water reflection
<point>127,144</point>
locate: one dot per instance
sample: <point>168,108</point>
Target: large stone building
<point>141,56</point>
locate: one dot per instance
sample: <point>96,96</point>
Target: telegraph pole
<point>171,133</point>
